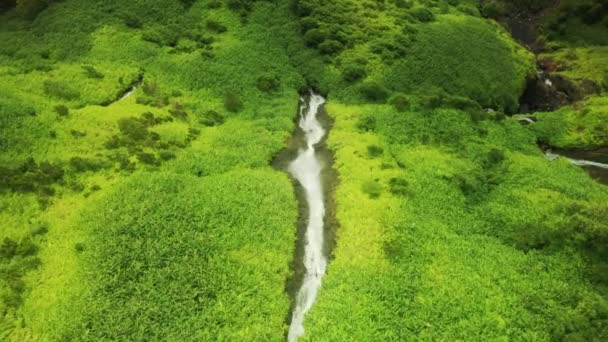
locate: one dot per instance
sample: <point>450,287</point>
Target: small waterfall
<point>306,169</point>
<point>579,162</point>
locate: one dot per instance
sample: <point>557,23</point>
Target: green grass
<point>106,151</point>
<point>464,56</point>
<point>444,254</point>
<point>582,125</point>
<point>184,267</point>
<point>158,217</point>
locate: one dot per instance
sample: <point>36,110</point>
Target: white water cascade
<point>579,162</point>
<point>306,168</point>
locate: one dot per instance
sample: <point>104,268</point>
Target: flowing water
<point>307,168</point>
<point>597,168</point>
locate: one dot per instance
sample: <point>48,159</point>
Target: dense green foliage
<point>71,141</point>
<point>178,269</point>
<point>410,48</point>
<point>137,199</point>
<point>581,126</point>
<point>459,231</point>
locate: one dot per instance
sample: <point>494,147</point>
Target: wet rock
<point>565,85</point>
<point>542,96</point>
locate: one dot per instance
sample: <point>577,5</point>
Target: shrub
<point>495,156</point>
<point>233,103</point>
<point>91,72</point>
<point>493,9</point>
<point>330,47</point>
<point>308,23</point>
<point>407,4</point>
<point>373,91</point>
<point>400,102</point>
<point>61,110</point>
<point>133,22</point>
<point>211,118</point>
<point>268,83</point>
<point>8,249</point>
<point>353,72</point>
<point>423,15</point>
<point>78,134</point>
<point>215,26</point>
<point>133,128</point>
<point>178,111</point>
<point>372,188</point>
<point>314,37</point>
<point>374,151</point>
<point>398,186</point>
<point>60,90</point>
<point>166,155</point>
<point>147,158</point>
<point>150,88</point>
<point>214,4</point>
<point>366,123</point>
<point>468,9</point>
<point>79,164</point>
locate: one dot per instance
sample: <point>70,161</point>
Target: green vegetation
<point>74,153</point>
<point>582,125</point>
<point>185,242</point>
<point>478,237</point>
<point>138,201</point>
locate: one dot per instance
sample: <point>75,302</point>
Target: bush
<point>233,103</point>
<point>214,4</point>
<point>91,72</point>
<point>61,110</point>
<point>79,164</point>
<point>330,47</point>
<point>314,37</point>
<point>493,9</point>
<point>374,151</point>
<point>400,102</point>
<point>215,26</point>
<point>178,111</point>
<point>398,186</point>
<point>147,158</point>
<point>132,22</point>
<point>353,72</point>
<point>373,91</point>
<point>423,15</point>
<point>366,123</point>
<point>268,83</point>
<point>372,188</point>
<point>133,128</point>
<point>60,90</point>
<point>211,118</point>
<point>403,4</point>
<point>468,9</point>
<point>166,155</point>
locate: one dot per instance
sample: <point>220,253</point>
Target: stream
<point>308,162</point>
<point>594,162</point>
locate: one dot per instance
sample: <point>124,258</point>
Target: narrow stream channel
<point>308,161</point>
<point>597,168</point>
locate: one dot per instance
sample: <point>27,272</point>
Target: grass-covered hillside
<point>138,201</point>
<point>155,216</point>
